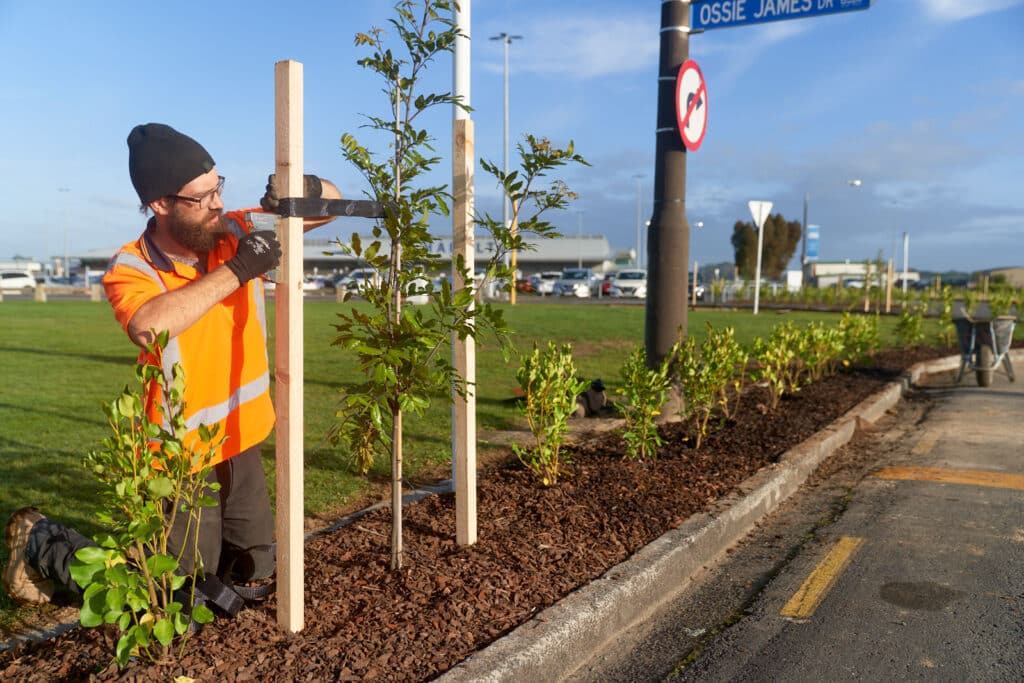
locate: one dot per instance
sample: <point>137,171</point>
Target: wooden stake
<point>889,276</point>
<point>694,302</point>
<point>464,352</point>
<point>514,256</point>
<point>288,352</point>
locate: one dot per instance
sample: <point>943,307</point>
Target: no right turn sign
<point>691,105</point>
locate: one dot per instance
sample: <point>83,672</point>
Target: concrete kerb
<point>563,637</point>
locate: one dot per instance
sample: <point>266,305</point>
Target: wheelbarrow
<point>984,346</point>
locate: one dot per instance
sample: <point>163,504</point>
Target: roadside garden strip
<point>560,639</point>
<point>700,537</point>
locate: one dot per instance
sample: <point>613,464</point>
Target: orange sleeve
<point>127,290</point>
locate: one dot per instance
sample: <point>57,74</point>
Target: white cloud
<point>584,47</point>
<point>955,10</point>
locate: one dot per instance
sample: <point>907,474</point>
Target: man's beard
<point>193,233</point>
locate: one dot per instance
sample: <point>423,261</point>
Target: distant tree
<point>780,240</point>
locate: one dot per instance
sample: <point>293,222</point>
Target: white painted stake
<point>288,357</point>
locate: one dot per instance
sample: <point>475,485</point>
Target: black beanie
<point>161,160</point>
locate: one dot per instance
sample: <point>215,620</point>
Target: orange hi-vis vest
<point>223,354</point>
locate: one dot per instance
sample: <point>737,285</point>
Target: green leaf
<point>164,632</point>
<point>201,614</point>
<point>125,646</point>
<point>160,487</point>
<point>161,564</point>
<point>92,555</point>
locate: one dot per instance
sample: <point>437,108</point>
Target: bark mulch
<point>365,622</point>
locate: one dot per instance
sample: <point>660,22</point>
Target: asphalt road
<point>902,559</point>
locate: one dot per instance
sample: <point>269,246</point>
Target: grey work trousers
<point>237,534</point>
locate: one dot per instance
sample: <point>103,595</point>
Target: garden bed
<point>365,622</point>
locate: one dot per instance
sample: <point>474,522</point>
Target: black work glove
<point>258,252</point>
<point>312,188</point>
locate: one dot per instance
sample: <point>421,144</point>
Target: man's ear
<point>161,207</point>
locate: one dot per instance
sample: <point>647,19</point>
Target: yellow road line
<point>806,600</point>
<point>972,477</point>
<point>926,444</point>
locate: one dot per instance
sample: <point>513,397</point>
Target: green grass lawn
<point>60,360</point>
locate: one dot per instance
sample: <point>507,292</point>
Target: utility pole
<point>506,40</point>
<point>668,238</point>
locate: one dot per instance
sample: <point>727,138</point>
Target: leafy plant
<point>643,391</point>
<point>860,336</point>
<point>772,359</point>
<point>823,346</point>
<point>910,326</point>
<point>149,477</point>
<point>724,353</point>
<point>550,386</point>
<point>947,329</point>
<point>402,351</point>
<point>705,377</point>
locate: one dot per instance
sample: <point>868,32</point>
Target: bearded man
<point>195,272</point>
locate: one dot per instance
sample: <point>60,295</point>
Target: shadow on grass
<point>51,353</point>
<point>56,414</point>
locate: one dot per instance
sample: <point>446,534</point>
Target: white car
<point>629,283</point>
<point>544,283</point>
<point>16,280</point>
<point>578,282</point>
<point>359,279</point>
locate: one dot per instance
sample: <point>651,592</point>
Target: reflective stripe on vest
<point>207,415</point>
<point>172,354</point>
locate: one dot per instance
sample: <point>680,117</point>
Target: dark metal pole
<point>668,237</point>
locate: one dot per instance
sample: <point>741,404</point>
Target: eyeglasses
<point>205,198</point>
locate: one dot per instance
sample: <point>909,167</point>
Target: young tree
<point>402,352</point>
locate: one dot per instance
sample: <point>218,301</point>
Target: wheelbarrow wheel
<point>985,360</point>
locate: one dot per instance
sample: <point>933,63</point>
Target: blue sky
<point>919,99</point>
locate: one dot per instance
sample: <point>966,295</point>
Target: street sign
<point>813,234</point>
<point>709,14</point>
<point>760,211</point>
<point>691,105</point>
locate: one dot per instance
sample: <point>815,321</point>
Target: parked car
<point>544,283</point>
<point>606,284</point>
<point>312,283</point>
<point>526,286</point>
<point>359,279</point>
<point>16,280</point>
<point>578,282</point>
<point>689,291</point>
<point>629,283</point>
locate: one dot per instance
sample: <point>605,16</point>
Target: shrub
<point>860,336</point>
<point>550,386</point>
<point>643,392</point>
<point>772,358</point>
<point>910,326</point>
<point>706,377</point>
<point>148,477</point>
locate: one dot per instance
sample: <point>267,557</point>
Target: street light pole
<point>639,250</point>
<point>579,240</point>
<point>66,269</point>
<point>506,40</point>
